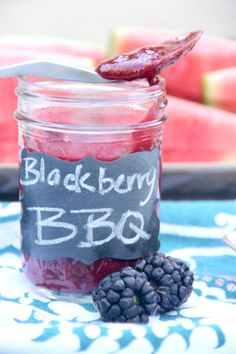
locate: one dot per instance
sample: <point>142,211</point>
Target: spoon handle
<point>230,240</point>
<point>53,70</point>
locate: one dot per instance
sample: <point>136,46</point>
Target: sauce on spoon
<point>147,62</point>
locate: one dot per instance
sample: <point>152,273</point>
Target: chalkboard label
<point>89,209</point>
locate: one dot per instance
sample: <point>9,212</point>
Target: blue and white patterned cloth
<point>192,231</point>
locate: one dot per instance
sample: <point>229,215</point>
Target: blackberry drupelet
<point>125,296</point>
<point>170,277</point>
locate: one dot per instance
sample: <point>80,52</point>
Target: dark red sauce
<point>148,62</point>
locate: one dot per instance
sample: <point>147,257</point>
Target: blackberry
<point>170,277</point>
<point>125,296</point>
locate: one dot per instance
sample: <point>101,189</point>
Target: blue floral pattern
<point>192,231</point>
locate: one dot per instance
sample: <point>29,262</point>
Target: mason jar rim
<point>139,89</point>
<point>125,90</point>
<point>94,129</point>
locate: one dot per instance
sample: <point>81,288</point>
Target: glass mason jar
<point>90,171</point>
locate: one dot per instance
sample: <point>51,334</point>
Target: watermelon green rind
<point>219,89</point>
<point>208,89</point>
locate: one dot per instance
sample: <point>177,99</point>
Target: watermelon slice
<point>197,133</point>
<point>219,88</point>
<point>70,47</point>
<point>184,79</point>
<point>13,50</point>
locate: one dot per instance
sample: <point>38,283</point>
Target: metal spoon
<point>53,70</point>
<point>230,240</point>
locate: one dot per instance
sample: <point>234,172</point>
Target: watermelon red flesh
<point>219,88</point>
<point>8,99</point>
<point>197,133</point>
<point>184,79</point>
<point>43,45</point>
